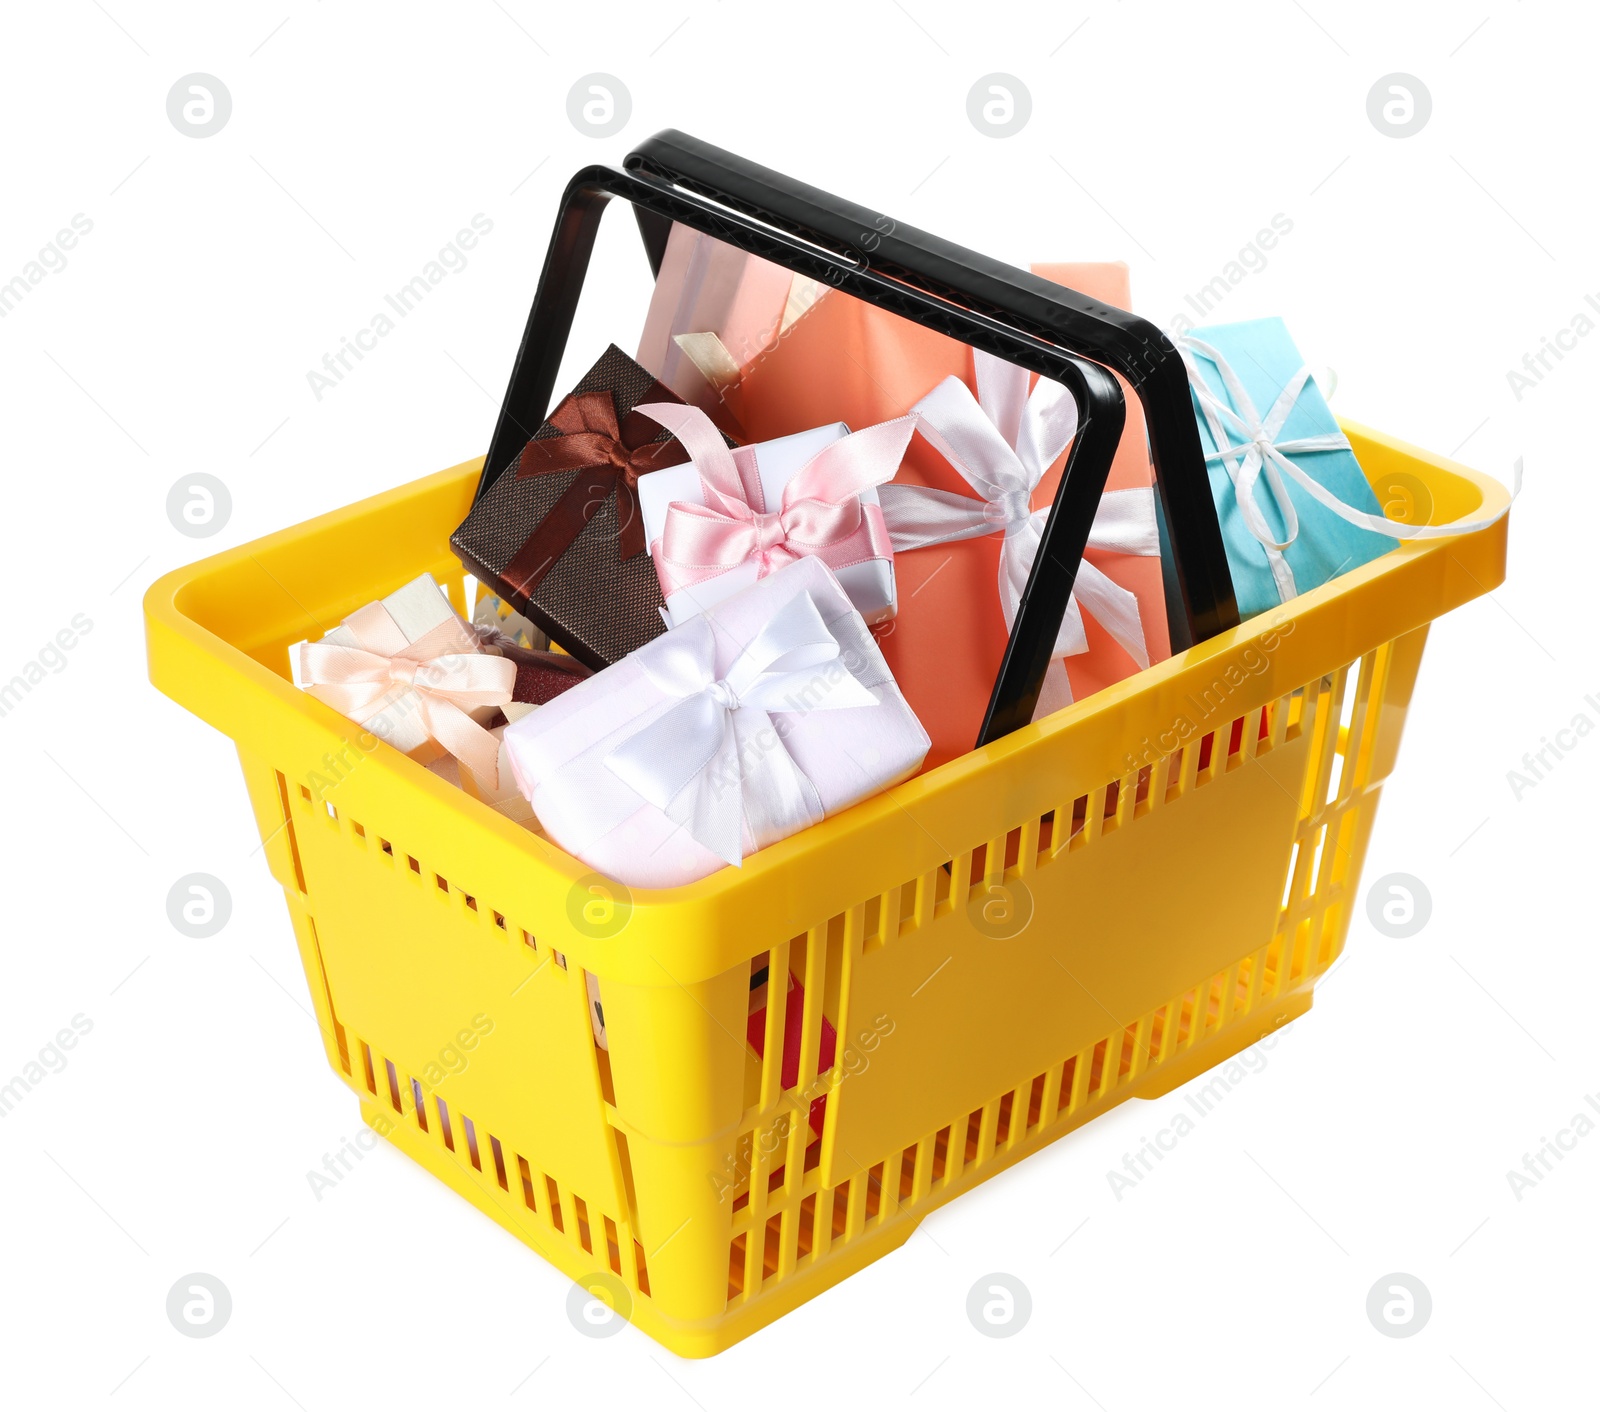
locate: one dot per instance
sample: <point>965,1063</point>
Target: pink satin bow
<point>445,672</point>
<point>821,514</point>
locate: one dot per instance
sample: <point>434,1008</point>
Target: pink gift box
<point>764,715</point>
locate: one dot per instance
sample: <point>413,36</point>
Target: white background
<point>178,338</point>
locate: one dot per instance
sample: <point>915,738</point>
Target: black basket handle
<point>1014,315</point>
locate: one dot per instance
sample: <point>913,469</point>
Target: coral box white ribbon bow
<point>715,760</point>
<point>1001,443</point>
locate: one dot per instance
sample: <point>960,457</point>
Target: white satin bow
<point>1259,453</point>
<point>1001,444</point>
<point>715,759</point>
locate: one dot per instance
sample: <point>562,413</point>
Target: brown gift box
<point>558,533</point>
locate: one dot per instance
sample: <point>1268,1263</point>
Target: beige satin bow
<point>446,674</point>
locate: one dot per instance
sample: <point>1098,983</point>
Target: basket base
<point>686,1339</point>
<point>703,1339</point>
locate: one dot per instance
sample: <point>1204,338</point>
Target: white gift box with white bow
<point>766,714</point>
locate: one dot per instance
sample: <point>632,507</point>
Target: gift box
<point>1271,443</point>
<point>714,309</point>
<point>542,675</point>
<point>1002,442</point>
<point>828,357</point>
<point>730,517</point>
<point>849,360</point>
<point>558,532</point>
<point>746,724</point>
<point>794,1009</point>
<point>412,672</point>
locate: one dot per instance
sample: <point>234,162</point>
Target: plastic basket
<point>1187,843</point>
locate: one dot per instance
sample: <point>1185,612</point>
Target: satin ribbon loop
<point>820,513</point>
<point>714,761</point>
<point>1001,443</point>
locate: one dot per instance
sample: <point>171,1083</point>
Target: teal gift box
<point>1252,391</point>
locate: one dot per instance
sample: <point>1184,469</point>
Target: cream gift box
<point>409,670</point>
<point>730,516</point>
<point>758,718</point>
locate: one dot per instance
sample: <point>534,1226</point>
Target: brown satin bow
<point>611,458</point>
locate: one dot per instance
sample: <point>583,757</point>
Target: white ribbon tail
<point>1055,693</point>
<point>1125,523</point>
<point>1115,608</point>
<point>1394,528</point>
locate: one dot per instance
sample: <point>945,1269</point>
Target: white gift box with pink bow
<point>727,518</point>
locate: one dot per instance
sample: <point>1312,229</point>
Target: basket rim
<point>1402,589</point>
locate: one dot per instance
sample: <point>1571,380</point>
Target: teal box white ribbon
<point>1294,506</point>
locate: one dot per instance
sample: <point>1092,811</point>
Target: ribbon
<point>612,459</point>
<point>1001,443</point>
<point>821,513</point>
<point>1259,455</point>
<point>446,674</point>
<point>714,761</point>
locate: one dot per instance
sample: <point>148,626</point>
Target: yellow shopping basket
<point>1185,847</point>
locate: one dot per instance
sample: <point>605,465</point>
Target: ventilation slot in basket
<point>771,1247</point>
<point>394,1086</point>
<point>613,1249</point>
<point>1002,1129</point>
<point>1036,1102</point>
<point>1066,1101</point>
<point>288,830</point>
